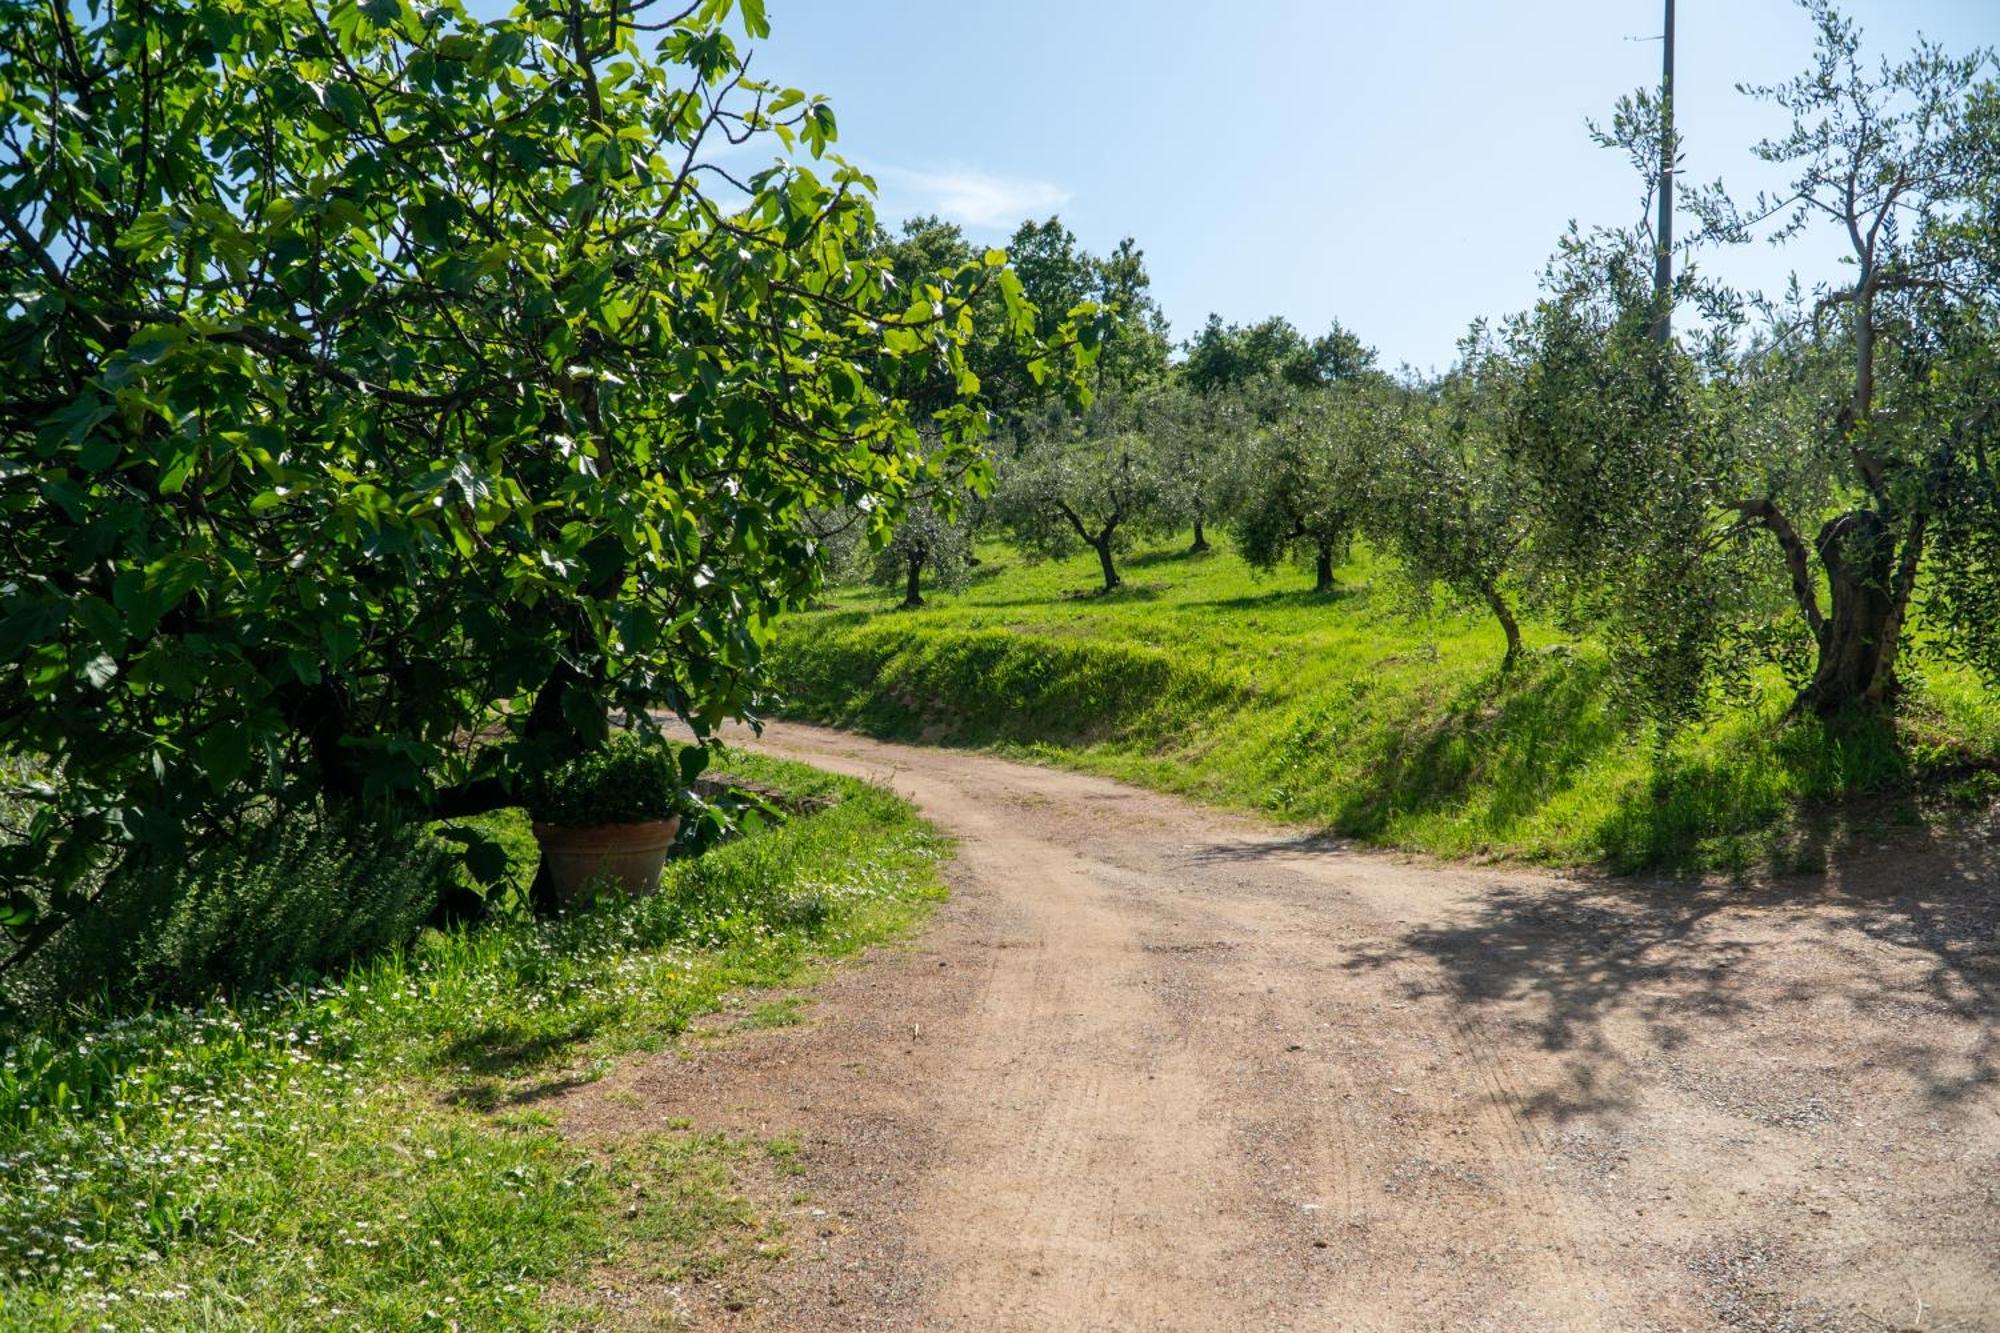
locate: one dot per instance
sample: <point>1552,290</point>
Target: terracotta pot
<point>627,857</point>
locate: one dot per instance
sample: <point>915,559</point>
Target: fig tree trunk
<point>913,588</point>
<point>1856,644</point>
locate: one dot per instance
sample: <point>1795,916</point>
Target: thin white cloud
<point>970,197</point>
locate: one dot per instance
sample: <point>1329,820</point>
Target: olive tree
<point>932,534</point>
<point>1885,154</point>
<point>387,395</point>
<point>1678,486</point>
<point>1088,480</point>
<point>1965,601</point>
<point>1198,442</point>
<point>928,538</point>
<point>1307,477</point>
<point>1448,500</point>
<point>1618,437</point>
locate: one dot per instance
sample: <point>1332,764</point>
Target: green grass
<point>1353,713</point>
<point>373,1152</point>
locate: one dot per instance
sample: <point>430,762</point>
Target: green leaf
<point>177,462</point>
<point>29,625</point>
<point>18,911</point>
<point>486,859</point>
<point>99,452</point>
<point>224,753</point>
<point>694,761</point>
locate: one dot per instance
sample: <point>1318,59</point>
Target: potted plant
<point>608,815</point>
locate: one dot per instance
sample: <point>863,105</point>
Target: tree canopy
<point>1226,356</point>
<point>390,394</point>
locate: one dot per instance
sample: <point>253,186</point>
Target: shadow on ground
<point>1896,937</point>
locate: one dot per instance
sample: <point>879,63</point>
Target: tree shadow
<point>489,1093</point>
<point>1771,800</point>
<point>503,1049</point>
<point>1171,555</point>
<point>1124,592</point>
<point>1783,803</point>
<point>1915,933</point>
<point>1280,598</point>
<point>986,571</point>
<point>833,617</point>
<point>1095,593</point>
<point>1243,853</point>
<point>1520,738</point>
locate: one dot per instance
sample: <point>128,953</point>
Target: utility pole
<point>1663,261</point>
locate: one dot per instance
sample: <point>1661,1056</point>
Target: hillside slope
<point>1354,712</point>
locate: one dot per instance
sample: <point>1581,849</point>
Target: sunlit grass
<point>369,1152</point>
<point>1356,712</point>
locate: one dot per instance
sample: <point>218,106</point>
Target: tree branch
<point>1797,562</point>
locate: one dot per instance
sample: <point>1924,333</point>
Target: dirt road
<point>1157,1067</point>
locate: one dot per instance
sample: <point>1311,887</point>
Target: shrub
<point>292,898</point>
<point>629,781</point>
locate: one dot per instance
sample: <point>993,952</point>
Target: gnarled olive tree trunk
<point>1870,571</point>
<point>1858,552</point>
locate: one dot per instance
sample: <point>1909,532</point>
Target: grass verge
<point>1354,712</point>
<point>370,1152</point>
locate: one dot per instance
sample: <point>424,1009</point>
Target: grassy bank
<point>373,1152</point>
<point>1351,712</point>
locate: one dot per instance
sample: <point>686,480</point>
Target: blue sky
<point>1405,167</point>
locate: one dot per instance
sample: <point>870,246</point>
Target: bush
<point>630,780</point>
<point>293,898</point>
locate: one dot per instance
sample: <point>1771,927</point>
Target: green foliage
<point>1136,341</point>
<point>1352,714</point>
<point>1965,599</point>
<point>1084,480</point>
<point>368,1152</point>
<point>1683,490</point>
<point>925,541</point>
<point>1447,497</point>
<point>374,376</point>
<point>1200,452</point>
<point>290,897</point>
<point>1309,473</point>
<point>1230,356</point>
<point>1059,276</point>
<point>1618,439</point>
<point>926,247</point>
<point>630,780</point>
